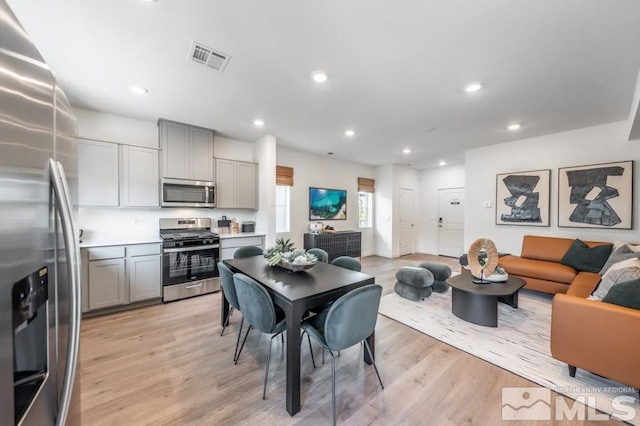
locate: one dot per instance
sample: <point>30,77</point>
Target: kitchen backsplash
<point>113,223</point>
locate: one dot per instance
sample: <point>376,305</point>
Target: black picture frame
<point>523,198</point>
<point>596,196</point>
<point>327,204</point>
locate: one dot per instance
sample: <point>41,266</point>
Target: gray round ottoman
<point>440,274</point>
<point>413,283</point>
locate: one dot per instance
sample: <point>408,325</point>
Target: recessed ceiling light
<point>319,76</point>
<point>406,151</point>
<point>514,126</point>
<point>473,87</point>
<point>349,133</point>
<point>258,122</point>
<point>442,163</point>
<point>137,90</point>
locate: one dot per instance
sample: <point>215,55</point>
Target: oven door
<point>184,264</point>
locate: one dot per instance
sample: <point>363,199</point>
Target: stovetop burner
<point>192,235</point>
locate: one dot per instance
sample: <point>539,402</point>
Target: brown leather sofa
<point>539,265</point>
<point>598,337</point>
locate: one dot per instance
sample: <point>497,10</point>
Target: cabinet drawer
<point>143,249</point>
<point>112,252</point>
<point>241,242</point>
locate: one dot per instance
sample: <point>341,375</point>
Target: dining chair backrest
<point>322,255</point>
<point>255,303</point>
<point>352,318</point>
<point>247,251</point>
<point>347,262</point>
<point>228,287</point>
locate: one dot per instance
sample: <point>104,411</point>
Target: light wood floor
<point>168,365</point>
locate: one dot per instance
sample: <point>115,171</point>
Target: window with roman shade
<point>366,184</point>
<point>284,175</point>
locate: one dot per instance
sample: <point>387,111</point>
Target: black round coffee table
<point>478,303</point>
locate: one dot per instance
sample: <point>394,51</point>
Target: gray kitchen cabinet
<point>187,151</point>
<point>106,283</point>
<point>236,184</point>
<point>229,244</point>
<point>115,276</point>
<point>98,173</point>
<point>139,183</point>
<point>144,277</point>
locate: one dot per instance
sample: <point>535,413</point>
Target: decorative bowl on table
<point>285,255</point>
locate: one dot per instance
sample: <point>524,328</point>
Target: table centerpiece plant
<point>284,254</point>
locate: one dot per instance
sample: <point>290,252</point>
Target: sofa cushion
<point>548,248</point>
<point>581,257</point>
<point>550,271</point>
<point>623,252</point>
<point>625,294</point>
<point>620,272</point>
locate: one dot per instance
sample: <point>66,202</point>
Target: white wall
<point>318,171</point>
<point>113,128</point>
<point>592,145</point>
<point>265,154</point>
<point>383,215</point>
<point>431,181</point>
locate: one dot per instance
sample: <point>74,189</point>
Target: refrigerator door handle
<point>61,190</point>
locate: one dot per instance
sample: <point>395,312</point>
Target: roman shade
<point>366,184</point>
<point>284,175</point>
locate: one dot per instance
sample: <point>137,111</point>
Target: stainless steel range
<point>190,254</point>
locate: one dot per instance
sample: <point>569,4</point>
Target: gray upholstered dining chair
<point>229,290</point>
<point>347,262</point>
<point>258,309</point>
<point>247,251</point>
<point>322,255</point>
<point>350,320</point>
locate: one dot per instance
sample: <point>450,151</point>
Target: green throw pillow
<point>625,294</point>
<point>583,258</point>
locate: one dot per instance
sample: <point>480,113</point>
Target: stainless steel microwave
<point>187,193</point>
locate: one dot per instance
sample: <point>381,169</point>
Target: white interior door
<point>451,222</point>
<point>406,221</point>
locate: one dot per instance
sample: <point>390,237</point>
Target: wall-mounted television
<point>327,204</point>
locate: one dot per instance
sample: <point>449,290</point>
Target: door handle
<point>62,194</point>
<point>440,223</point>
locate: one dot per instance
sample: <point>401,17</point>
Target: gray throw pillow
<point>581,257</point>
<point>621,253</point>
<point>615,275</point>
<point>625,294</point>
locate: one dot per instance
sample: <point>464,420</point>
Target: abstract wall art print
<point>327,204</point>
<point>522,198</point>
<point>596,196</point>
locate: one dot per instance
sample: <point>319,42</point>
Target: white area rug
<point>519,344</point>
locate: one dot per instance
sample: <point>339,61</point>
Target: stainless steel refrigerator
<point>39,254</point>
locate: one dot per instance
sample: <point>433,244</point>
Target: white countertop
<point>120,240</point>
<point>242,235</point>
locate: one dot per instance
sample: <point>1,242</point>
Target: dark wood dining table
<point>297,293</point>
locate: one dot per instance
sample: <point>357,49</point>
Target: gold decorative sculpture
<point>482,269</point>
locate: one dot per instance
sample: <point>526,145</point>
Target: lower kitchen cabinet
<point>144,277</point>
<point>229,243</point>
<point>115,276</point>
<point>106,283</point>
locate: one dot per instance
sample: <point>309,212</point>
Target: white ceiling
<point>396,68</point>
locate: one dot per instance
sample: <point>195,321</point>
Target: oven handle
<point>183,249</point>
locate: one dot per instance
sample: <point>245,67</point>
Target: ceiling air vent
<point>207,56</point>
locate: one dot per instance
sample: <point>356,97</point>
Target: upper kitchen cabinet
<point>187,151</point>
<point>139,183</point>
<point>236,184</point>
<point>98,173</point>
<point>112,175</point>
